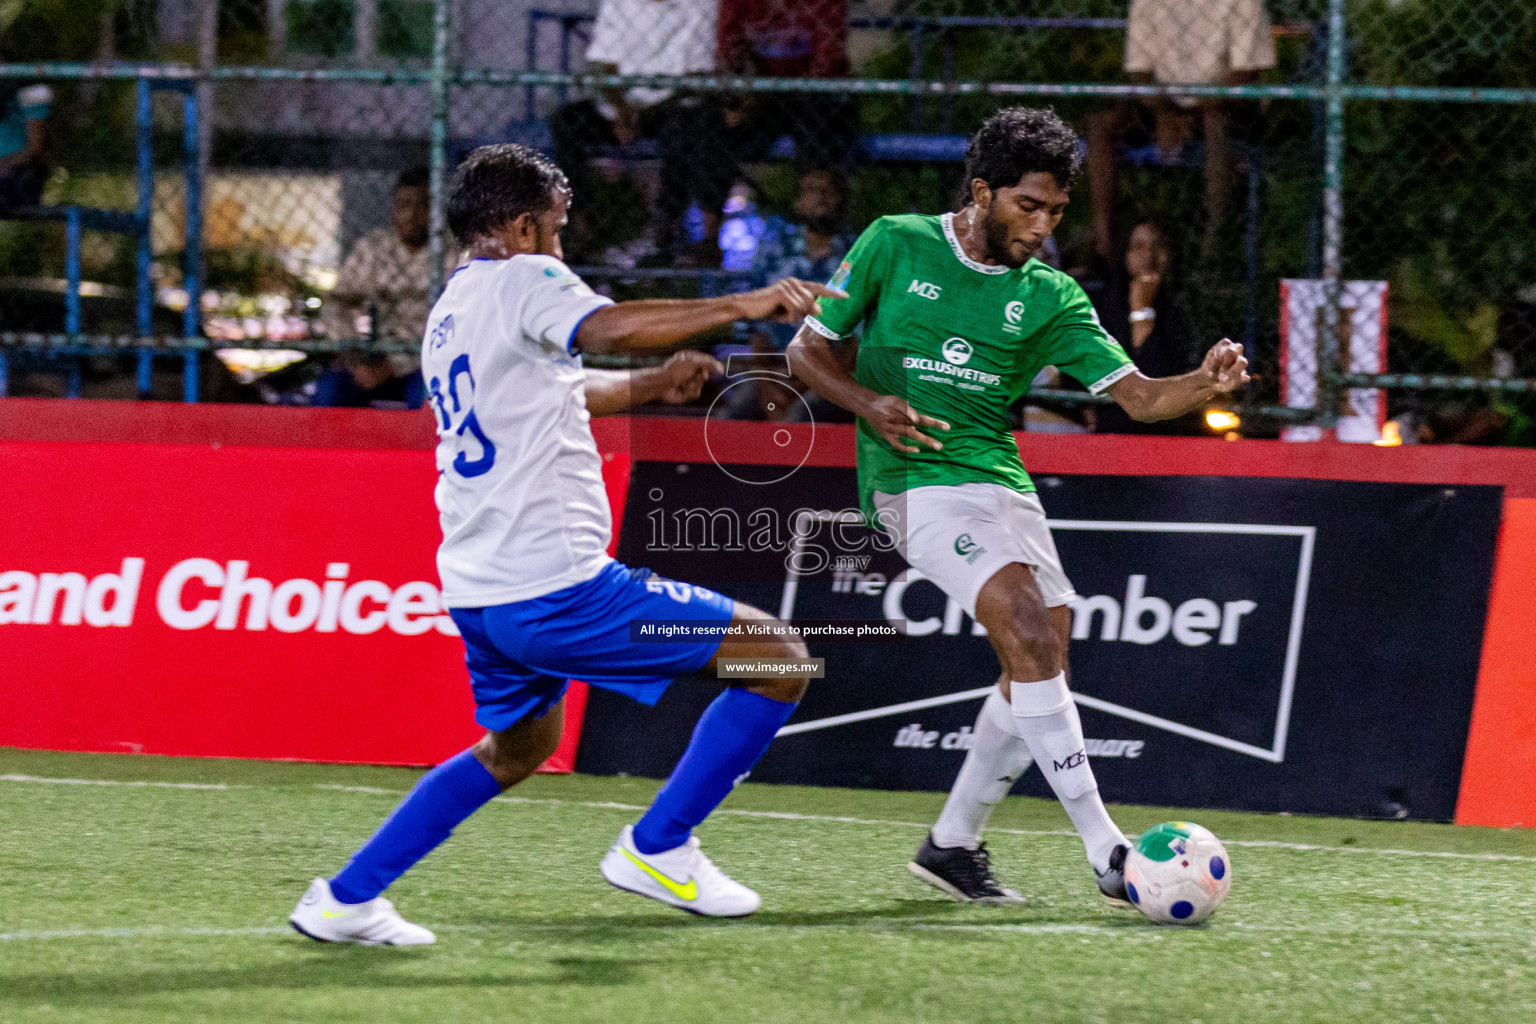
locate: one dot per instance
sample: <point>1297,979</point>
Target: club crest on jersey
<point>1013,317</point>
<point>957,351</point>
<point>923,288</point>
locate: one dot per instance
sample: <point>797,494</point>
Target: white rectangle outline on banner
<point>1276,752</point>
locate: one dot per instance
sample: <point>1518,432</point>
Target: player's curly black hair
<point>497,184</point>
<point>1017,141</point>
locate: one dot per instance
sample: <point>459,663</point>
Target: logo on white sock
<point>1074,761</point>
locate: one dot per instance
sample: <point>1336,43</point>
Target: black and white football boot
<point>961,874</point>
<point>1112,882</point>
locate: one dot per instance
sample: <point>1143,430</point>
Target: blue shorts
<point>522,655</point>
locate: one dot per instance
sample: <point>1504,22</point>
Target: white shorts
<point>959,536</point>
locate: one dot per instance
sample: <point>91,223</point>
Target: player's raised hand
<point>682,377</point>
<point>897,422</point>
<point>1226,365</point>
<point>788,301</point>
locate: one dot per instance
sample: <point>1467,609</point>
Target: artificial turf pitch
<point>163,896</point>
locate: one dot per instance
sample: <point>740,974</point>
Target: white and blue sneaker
<point>375,923</point>
<point>681,877</point>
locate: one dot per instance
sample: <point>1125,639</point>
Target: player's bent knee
<point>1028,653</point>
<point>781,643</point>
<point>517,753</point>
<point>787,691</point>
<point>790,690</point>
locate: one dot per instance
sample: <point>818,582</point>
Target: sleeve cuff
<point>1109,378</point>
<point>570,342</point>
<point>822,329</point>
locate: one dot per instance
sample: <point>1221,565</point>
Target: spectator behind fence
<point>779,39</point>
<point>23,143</point>
<point>1469,419</point>
<point>1185,42</point>
<point>381,290</point>
<point>369,380</point>
<point>1138,308</point>
<point>809,245</point>
<point>653,37</point>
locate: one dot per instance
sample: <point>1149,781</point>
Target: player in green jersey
<point>958,318</point>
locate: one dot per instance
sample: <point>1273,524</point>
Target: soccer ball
<point>1177,873</point>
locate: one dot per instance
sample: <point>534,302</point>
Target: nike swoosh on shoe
<point>688,890</point>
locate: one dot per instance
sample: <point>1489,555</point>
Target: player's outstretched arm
<point>1148,399</point>
<point>678,380</point>
<point>811,359</point>
<point>656,323</point>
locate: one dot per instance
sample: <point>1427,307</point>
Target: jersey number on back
<point>469,424</point>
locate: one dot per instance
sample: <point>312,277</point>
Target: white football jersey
<point>520,483</point>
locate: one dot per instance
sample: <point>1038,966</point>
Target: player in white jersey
<point>524,564</point>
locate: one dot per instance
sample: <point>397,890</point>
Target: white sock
<point>1045,715</point>
<point>991,768</point>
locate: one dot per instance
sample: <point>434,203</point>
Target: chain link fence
<point>1235,151</point>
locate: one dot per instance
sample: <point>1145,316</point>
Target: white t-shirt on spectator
<point>520,482</point>
<point>655,37</point>
<point>1192,42</point>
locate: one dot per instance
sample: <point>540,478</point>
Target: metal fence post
<point>442,23</point>
<point>72,241</point>
<point>1329,375</point>
<point>144,127</point>
<point>193,113</point>
<point>194,132</point>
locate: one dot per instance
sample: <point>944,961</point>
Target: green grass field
<point>163,896</point>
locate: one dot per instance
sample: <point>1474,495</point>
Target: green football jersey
<point>961,341</point>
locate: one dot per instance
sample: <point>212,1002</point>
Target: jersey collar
<point>948,221</point>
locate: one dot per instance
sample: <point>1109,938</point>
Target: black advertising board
<point>1251,643</point>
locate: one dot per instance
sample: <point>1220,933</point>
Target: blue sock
<point>444,797</point>
<point>732,734</point>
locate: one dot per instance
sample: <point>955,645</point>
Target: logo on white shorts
<point>957,351</point>
<point>967,548</point>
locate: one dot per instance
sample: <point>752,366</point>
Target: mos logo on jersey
<point>1013,317</point>
<point>957,351</point>
<point>923,288</point>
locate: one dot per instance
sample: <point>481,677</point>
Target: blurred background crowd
<point>316,228</point>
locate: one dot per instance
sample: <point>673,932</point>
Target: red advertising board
<point>263,586</point>
<point>229,601</point>
<point>1498,778</point>
<point>247,582</point>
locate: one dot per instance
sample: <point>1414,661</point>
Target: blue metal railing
<point>1324,82</point>
<point>135,224</point>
